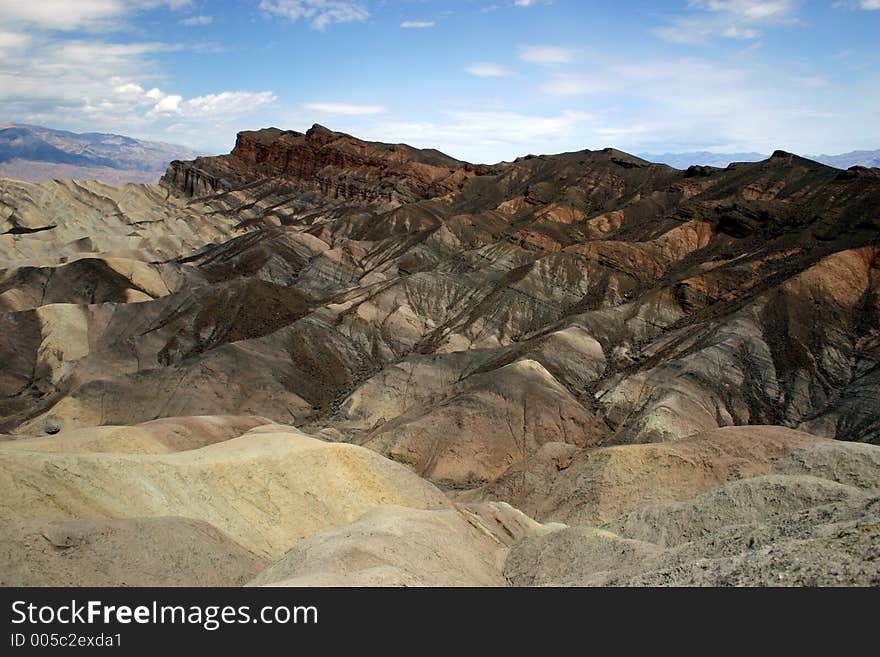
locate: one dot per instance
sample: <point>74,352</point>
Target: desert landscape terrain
<point>326,361</point>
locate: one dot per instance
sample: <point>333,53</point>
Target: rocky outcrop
<point>796,511</point>
<point>332,164</point>
<point>191,180</point>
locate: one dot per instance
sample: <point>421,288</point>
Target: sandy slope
<point>267,491</point>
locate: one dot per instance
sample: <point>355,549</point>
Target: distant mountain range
<point>38,154</point>
<point>684,160</point>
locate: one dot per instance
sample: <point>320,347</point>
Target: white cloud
<point>197,20</point>
<point>224,105</point>
<point>731,19</point>
<point>130,90</point>
<point>546,55</point>
<point>686,31</point>
<point>487,70</point>
<point>320,13</point>
<point>63,75</point>
<point>688,104</point>
<point>564,84</point>
<point>169,104</point>
<point>749,10</point>
<point>485,135</point>
<point>81,84</point>
<point>228,104</point>
<point>90,15</point>
<point>867,5</point>
<point>736,32</point>
<point>416,24</point>
<point>344,109</point>
<point>12,40</point>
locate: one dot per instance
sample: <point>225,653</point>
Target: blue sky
<point>481,80</point>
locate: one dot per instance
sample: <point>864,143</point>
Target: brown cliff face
<point>333,164</point>
<point>522,332</point>
<point>191,180</point>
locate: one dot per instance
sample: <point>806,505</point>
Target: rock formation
<point>646,362</point>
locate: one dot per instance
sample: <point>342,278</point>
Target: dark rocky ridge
<point>330,163</point>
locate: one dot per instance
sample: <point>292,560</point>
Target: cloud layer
<point>730,19</point>
<point>695,75</point>
<point>319,13</point>
<point>98,84</point>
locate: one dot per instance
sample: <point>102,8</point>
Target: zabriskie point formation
<point>319,360</point>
